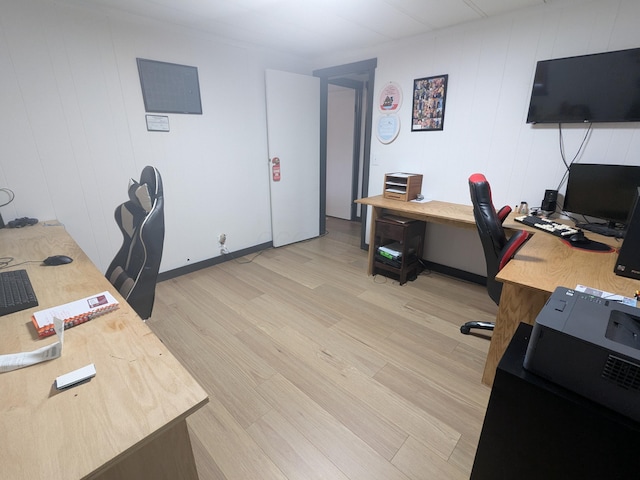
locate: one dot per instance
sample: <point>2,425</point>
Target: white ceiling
<point>312,27</point>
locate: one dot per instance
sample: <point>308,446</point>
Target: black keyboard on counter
<point>558,229</point>
<point>16,292</point>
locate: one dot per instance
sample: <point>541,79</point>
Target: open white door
<point>293,133</point>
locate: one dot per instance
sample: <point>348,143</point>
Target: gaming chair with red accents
<point>498,250</point>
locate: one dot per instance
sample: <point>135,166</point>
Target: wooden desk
<point>542,264</point>
<point>129,421</point>
<point>433,211</point>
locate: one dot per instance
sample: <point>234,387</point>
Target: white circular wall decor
<point>387,128</point>
<point>390,99</point>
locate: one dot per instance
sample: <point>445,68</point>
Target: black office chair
<point>497,249</point>
<point>134,270</point>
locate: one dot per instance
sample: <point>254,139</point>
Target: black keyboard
<point>16,292</point>
<point>558,229</point>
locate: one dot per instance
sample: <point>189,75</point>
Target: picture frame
<point>429,100</point>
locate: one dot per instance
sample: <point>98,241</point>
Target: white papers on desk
<point>607,296</point>
<point>13,361</point>
<point>393,249</point>
<point>74,313</point>
<point>399,175</point>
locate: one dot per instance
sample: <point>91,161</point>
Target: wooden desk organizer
<point>402,186</point>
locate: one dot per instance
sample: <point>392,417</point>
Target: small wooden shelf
<point>405,236</point>
<point>402,186</point>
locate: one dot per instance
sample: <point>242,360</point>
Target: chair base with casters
<point>466,328</point>
<point>498,250</point>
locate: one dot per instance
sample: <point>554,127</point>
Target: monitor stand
<point>607,229</point>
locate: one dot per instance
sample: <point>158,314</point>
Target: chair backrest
<point>490,230</point>
<point>134,269</point>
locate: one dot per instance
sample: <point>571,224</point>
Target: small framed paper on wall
<point>157,123</point>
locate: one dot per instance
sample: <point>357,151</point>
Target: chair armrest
<point>511,247</point>
<point>503,213</point>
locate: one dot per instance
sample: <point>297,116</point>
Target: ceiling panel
<point>299,22</point>
<point>496,7</point>
<point>311,27</point>
<point>206,8</point>
<point>436,13</point>
<point>378,16</point>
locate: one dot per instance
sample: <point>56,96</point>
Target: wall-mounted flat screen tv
<point>602,87</point>
<point>169,87</point>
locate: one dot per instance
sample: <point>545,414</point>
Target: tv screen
<point>602,191</point>
<point>603,87</point>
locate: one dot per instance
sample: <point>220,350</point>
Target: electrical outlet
<point>222,240</point>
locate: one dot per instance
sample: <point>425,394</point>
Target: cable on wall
<point>562,152</point>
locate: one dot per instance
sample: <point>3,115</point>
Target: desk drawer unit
<point>398,246</point>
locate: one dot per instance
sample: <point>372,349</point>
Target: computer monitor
<point>628,262</point>
<point>604,192</point>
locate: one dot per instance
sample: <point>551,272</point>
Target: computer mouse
<point>578,238</point>
<point>57,260</point>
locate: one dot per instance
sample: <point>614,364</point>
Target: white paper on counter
<point>13,361</point>
<point>607,295</point>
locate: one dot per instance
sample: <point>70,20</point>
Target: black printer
<point>589,345</point>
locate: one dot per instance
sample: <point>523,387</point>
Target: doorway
<point>359,77</point>
<point>344,139</point>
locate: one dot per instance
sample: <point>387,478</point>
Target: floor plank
<point>317,370</point>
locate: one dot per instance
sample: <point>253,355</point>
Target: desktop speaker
<point>550,201</point>
<point>628,263</point>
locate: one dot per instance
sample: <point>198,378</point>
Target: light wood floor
<point>317,371</point>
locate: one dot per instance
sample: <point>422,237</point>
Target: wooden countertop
<point>432,211</point>
<point>546,262</point>
<point>140,389</point>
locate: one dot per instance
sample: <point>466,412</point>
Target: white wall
<point>72,129</point>
<point>490,64</point>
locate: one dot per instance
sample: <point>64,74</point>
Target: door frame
<point>367,67</point>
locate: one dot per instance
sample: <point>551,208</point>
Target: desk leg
<point>166,457</point>
<point>376,212</point>
<point>517,304</point>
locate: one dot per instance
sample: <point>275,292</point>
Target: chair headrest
<point>480,188</point>
<point>139,195</point>
<point>145,192</point>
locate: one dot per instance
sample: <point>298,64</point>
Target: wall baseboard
<point>446,270</point>
<point>455,272</point>
<point>176,272</point>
